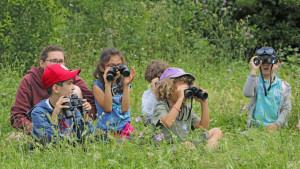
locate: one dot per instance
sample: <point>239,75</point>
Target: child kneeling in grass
<point>270,104</point>
<point>50,124</point>
<point>172,116</point>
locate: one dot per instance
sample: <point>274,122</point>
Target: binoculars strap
<point>262,77</point>
<point>270,78</point>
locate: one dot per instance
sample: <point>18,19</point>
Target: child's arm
<point>248,90</point>
<point>126,91</point>
<point>169,119</point>
<point>204,122</point>
<point>104,99</point>
<point>285,110</point>
<point>148,103</point>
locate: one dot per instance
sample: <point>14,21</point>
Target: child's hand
<point>59,105</point>
<point>129,79</point>
<point>200,100</point>
<point>254,68</point>
<point>105,73</point>
<point>180,90</point>
<point>86,105</point>
<point>153,82</point>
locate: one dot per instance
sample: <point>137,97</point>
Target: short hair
<point>49,90</point>
<point>51,48</point>
<point>154,68</point>
<point>164,89</point>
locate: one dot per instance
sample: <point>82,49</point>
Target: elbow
<point>125,110</point>
<point>108,110</point>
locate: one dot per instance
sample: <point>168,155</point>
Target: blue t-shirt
<point>116,119</point>
<point>266,108</point>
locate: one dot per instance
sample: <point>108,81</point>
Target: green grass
<point>255,148</point>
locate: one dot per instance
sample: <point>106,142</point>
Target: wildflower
<point>226,28</point>
<point>245,27</point>
<point>223,9</point>
<point>246,34</point>
<point>224,2</point>
<point>280,50</point>
<point>297,49</point>
<point>204,11</point>
<point>226,78</point>
<point>246,49</point>
<point>4,94</point>
<point>138,119</point>
<point>206,6</point>
<point>196,1</point>
<point>159,137</point>
<point>251,36</point>
<point>141,134</point>
<point>244,108</point>
<point>228,70</point>
<point>282,54</point>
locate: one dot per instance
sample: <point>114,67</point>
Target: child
<point>270,104</point>
<point>112,97</point>
<point>153,72</point>
<point>173,116</point>
<point>48,118</point>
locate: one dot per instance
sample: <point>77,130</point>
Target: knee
<point>217,132</point>
<point>77,90</point>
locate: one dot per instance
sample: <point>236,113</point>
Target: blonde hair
<point>164,89</point>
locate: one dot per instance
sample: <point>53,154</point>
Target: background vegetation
<point>211,39</point>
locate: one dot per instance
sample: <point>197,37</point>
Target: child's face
<point>67,88</point>
<point>266,67</point>
<point>113,61</point>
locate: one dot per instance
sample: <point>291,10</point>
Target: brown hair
<point>165,88</point>
<point>51,48</point>
<point>154,68</point>
<point>105,55</point>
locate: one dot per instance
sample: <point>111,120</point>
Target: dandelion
<point>223,9</point>
<point>4,94</point>
<point>159,137</point>
<point>297,49</point>
<point>228,70</point>
<point>138,119</point>
<point>245,27</point>
<point>141,134</point>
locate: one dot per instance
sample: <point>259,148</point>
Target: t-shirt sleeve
<point>160,110</point>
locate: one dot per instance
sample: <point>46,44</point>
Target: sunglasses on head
<point>266,51</point>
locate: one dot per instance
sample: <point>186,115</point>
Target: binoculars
<point>271,59</point>
<point>195,91</point>
<point>123,69</point>
<point>74,103</point>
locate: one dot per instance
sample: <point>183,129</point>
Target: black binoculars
<point>271,59</point>
<point>123,69</point>
<point>195,91</point>
<point>74,103</point>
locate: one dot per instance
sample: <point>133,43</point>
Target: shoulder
<point>99,84</point>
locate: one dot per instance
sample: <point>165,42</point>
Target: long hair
<point>105,56</point>
<point>164,89</point>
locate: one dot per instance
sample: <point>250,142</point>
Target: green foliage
<point>277,21</point>
<point>26,26</point>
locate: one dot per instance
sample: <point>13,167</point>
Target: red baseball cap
<point>56,73</point>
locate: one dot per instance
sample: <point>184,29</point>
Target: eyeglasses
<point>55,61</point>
<point>266,51</point>
<point>112,65</point>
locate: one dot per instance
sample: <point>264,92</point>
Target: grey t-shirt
<point>182,125</point>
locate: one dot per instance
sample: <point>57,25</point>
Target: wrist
<point>253,72</point>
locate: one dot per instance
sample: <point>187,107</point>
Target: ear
<point>41,63</point>
<point>101,68</point>
<point>56,88</point>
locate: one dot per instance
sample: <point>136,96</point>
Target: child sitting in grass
<point>154,70</point>
<point>49,122</point>
<point>173,117</point>
<point>270,104</point>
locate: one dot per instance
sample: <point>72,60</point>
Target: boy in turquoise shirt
<point>270,104</point>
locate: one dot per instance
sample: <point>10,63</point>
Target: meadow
<point>200,37</point>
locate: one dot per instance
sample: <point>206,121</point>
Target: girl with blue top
<point>112,97</point>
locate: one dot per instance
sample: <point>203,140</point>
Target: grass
<point>240,148</point>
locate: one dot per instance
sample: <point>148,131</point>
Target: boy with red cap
<point>49,121</point>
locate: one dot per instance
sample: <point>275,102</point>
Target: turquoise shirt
<point>266,108</point>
